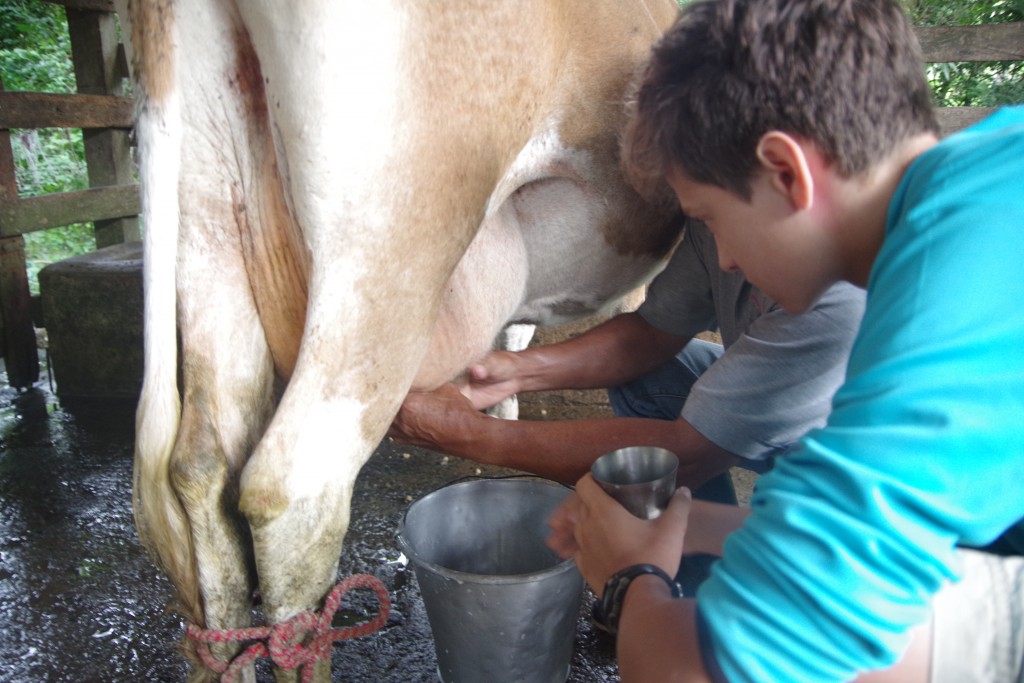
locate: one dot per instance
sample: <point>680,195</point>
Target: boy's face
<point>773,243</point>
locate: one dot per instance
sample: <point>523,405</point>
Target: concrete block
<point>92,311</point>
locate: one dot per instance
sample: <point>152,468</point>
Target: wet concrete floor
<point>80,600</point>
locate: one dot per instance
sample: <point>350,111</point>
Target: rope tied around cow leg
<point>283,642</point>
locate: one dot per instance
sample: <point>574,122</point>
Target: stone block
<point>92,311</point>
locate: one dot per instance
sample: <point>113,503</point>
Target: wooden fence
<point>986,43</point>
<point>112,201</point>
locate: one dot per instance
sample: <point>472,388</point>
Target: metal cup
<point>642,478</point>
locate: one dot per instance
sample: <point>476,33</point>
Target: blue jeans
<point>660,394</point>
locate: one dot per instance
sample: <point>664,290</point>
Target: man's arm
<point>562,450</point>
<point>616,351</point>
<point>609,354</point>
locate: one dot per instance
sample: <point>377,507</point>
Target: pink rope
<point>284,641</point>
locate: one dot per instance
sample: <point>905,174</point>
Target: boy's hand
<point>603,537</point>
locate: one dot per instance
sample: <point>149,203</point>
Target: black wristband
<point>608,610</point>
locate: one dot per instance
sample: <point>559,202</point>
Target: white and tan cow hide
<point>344,200</point>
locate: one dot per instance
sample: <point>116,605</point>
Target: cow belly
<point>574,271</point>
<point>541,257</point>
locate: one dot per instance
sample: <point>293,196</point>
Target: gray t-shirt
<point>777,376</point>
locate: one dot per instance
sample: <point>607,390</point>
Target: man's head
<point>845,75</point>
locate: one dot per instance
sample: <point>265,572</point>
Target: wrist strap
<point>608,610</point>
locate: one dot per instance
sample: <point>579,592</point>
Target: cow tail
<point>159,516</point>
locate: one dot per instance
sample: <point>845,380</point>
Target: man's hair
<point>845,74</point>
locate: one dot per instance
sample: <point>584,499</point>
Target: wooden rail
<point>112,201</point>
<point>30,214</point>
<point>986,43</point>
<point>49,110</point>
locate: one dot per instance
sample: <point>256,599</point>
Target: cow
<point>344,201</point>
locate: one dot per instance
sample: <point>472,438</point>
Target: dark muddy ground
<point>80,601</point>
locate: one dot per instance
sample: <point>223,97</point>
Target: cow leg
<point>355,366</point>
<point>388,178</point>
<point>227,396</point>
<point>227,379</point>
<point>227,368</point>
<point>227,375</point>
<point>358,359</point>
<point>359,351</point>
<point>297,487</point>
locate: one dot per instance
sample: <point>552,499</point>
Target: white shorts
<point>978,623</point>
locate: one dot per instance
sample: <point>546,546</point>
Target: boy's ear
<point>783,157</point>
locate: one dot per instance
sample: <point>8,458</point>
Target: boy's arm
<point>657,638</point>
<point>657,634</point>
<point>658,641</point>
<point>709,525</point>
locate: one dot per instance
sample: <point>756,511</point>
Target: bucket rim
<point>473,577</point>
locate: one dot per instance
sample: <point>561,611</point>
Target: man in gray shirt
<point>738,405</point>
<point>715,406</point>
<point>776,375</point>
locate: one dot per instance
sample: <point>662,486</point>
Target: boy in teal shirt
<point>801,133</point>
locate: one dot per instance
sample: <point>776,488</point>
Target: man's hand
<point>492,380</point>
<point>603,537</point>
<point>431,419</point>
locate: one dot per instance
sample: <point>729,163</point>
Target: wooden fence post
<point>94,50</point>
<point>20,352</point>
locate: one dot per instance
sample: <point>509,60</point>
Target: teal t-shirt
<point>853,532</point>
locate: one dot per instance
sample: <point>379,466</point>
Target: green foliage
<point>35,55</point>
<point>49,160</point>
<point>38,69</point>
<point>977,84</point>
<point>31,23</point>
<point>48,246</point>
<point>964,12</point>
<point>971,84</point>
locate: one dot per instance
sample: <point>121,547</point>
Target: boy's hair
<point>844,74</point>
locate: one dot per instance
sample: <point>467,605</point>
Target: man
<point>712,408</point>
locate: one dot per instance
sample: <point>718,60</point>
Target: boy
<point>801,132</point>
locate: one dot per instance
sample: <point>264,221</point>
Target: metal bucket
<point>501,605</point>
